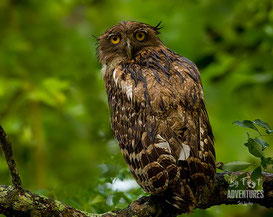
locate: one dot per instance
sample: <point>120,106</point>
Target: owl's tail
<point>182,198</point>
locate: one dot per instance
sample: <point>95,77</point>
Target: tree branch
<point>15,201</point>
<point>7,150</point>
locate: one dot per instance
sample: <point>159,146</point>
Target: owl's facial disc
<point>125,40</point>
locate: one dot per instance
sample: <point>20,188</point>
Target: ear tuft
<point>97,38</point>
<point>157,27</point>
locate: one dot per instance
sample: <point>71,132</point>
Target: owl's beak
<point>128,49</point>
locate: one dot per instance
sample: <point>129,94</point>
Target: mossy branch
<point>15,201</point>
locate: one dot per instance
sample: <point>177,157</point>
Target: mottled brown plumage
<point>158,114</point>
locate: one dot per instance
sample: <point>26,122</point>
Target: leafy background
<point>53,103</point>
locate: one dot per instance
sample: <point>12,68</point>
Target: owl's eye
<point>140,36</point>
<point>115,39</point>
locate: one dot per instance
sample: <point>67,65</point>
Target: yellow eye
<point>115,39</point>
<point>140,36</point>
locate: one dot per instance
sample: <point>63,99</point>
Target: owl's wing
<point>191,138</point>
<point>174,97</point>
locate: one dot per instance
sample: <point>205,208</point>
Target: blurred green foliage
<point>53,103</point>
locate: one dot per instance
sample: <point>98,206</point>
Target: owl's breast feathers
<point>160,121</point>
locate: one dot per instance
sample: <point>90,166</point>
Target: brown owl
<point>158,114</point>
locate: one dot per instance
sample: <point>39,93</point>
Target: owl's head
<point>125,39</point>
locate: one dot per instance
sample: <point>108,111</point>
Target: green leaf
<point>261,142</point>
<point>266,161</point>
<point>124,173</point>
<point>235,166</point>
<point>117,196</point>
<point>247,124</point>
<point>254,148</point>
<point>257,172</point>
<point>97,199</point>
<point>263,125</point>
<point>51,92</point>
<point>269,131</point>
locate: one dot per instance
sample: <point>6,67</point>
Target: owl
<point>158,114</point>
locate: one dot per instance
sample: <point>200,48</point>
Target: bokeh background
<point>54,107</point>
